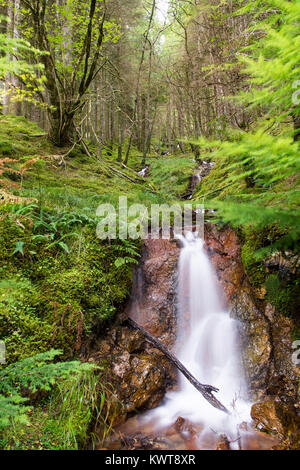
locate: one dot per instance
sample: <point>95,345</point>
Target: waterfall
<point>207,344</point>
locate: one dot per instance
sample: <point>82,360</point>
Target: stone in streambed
<point>275,417</point>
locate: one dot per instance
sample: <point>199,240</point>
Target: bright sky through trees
<point>162,9</point>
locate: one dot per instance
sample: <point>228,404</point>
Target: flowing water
<point>207,344</point>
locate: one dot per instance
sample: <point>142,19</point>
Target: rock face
<point>139,375</point>
<point>154,290</point>
<point>265,342</point>
<point>275,417</point>
<point>265,335</point>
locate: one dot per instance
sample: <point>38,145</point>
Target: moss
<point>56,298</point>
<point>172,175</point>
<point>15,132</point>
<point>257,245</point>
<point>23,332</point>
<point>284,296</point>
<point>77,154</point>
<point>254,269</point>
<point>6,149</point>
<point>71,294</point>
<point>12,232</point>
<point>62,420</point>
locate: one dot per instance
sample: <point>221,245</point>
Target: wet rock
<point>140,441</point>
<point>155,283</point>
<point>275,417</point>
<point>183,426</point>
<point>265,417</point>
<point>134,341</point>
<point>265,338</point>
<point>265,335</point>
<point>141,374</point>
<point>139,377</point>
<point>224,249</point>
<point>255,341</point>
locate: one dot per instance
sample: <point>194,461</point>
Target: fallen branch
<point>138,180</point>
<point>32,135</point>
<point>205,390</point>
<point>122,175</point>
<point>82,142</point>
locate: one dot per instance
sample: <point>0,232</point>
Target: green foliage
<point>22,330</point>
<point>12,410</point>
<point>67,419</point>
<point>284,296</point>
<point>48,297</point>
<point>56,228</point>
<point>273,64</point>
<point>26,67</point>
<point>253,268</point>
<point>14,137</point>
<point>171,175</point>
<point>6,149</point>
<point>73,33</point>
<point>59,281</point>
<point>255,182</point>
<point>257,157</point>
<point>37,373</point>
<point>78,407</point>
<point>8,47</point>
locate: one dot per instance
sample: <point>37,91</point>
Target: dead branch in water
<point>205,390</point>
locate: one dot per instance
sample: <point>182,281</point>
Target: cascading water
<point>207,344</point>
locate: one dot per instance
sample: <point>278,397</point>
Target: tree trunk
<point>61,132</point>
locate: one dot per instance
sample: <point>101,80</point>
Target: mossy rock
<point>21,329</point>
<point>256,240</point>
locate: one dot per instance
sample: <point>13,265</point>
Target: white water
<point>207,345</point>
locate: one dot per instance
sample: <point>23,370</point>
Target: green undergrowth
<point>58,284</point>
<point>52,405</point>
<point>17,138</point>
<point>285,296</point>
<point>172,175</point>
